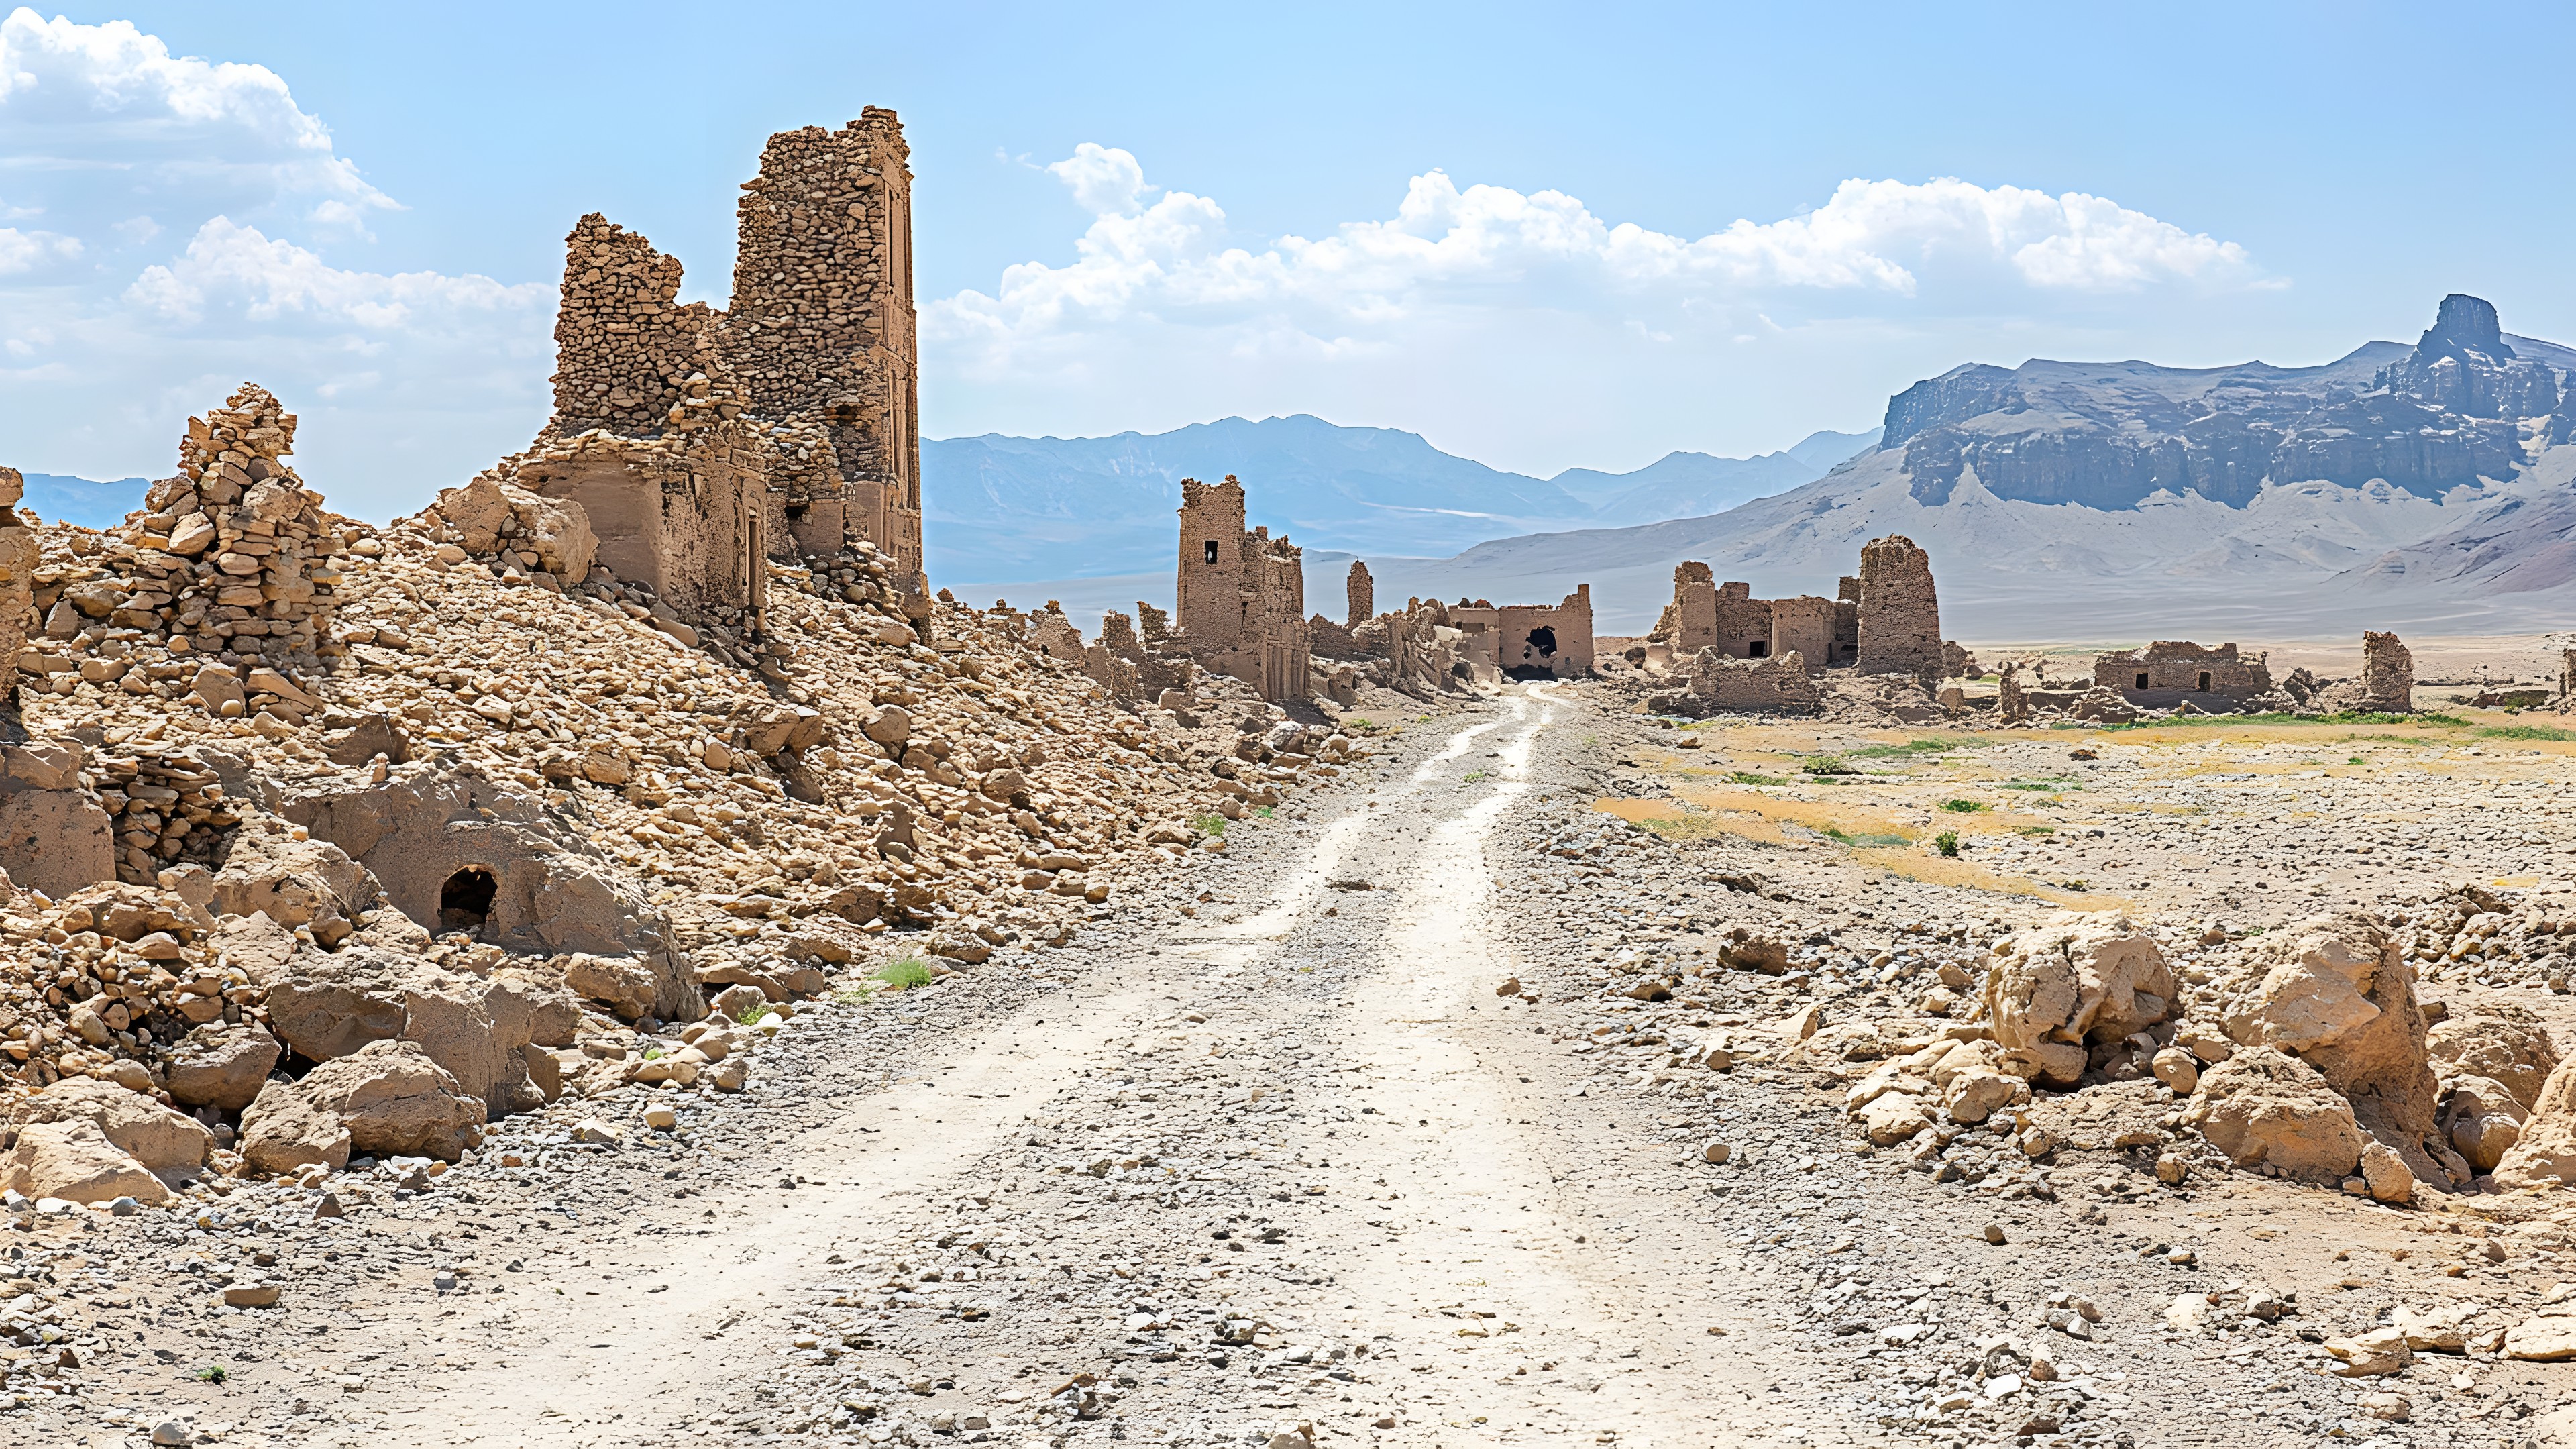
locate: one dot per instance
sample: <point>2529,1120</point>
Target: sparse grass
<point>851,998</point>
<point>2276,718</point>
<point>1829,765</point>
<point>213,1373</point>
<point>2355,760</point>
<point>1472,776</point>
<point>1262,811</point>
<point>903,972</point>
<point>1963,807</point>
<point>752,1013</point>
<point>1209,824</point>
<point>1863,838</point>
<point>1947,842</point>
<point>1743,777</point>
<point>652,1054</point>
<point>1917,747</point>
<point>2035,829</point>
<point>2526,732</point>
<point>2038,785</point>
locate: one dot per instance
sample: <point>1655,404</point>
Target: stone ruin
<point>2170,672</point>
<point>1241,594</point>
<point>1740,653</point>
<point>699,442</point>
<point>1361,591</point>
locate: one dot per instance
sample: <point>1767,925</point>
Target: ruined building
<point>700,441</point>
<point>1242,594</point>
<point>1361,593</point>
<point>1887,621</point>
<point>2169,671</point>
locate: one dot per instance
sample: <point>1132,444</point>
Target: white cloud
<point>168,221</point>
<point>1163,302</point>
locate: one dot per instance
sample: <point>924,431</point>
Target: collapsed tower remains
<point>1886,621</point>
<point>1242,594</point>
<point>1900,614</point>
<point>700,442</point>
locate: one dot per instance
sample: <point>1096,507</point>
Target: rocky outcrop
<point>395,1100</point>
<point>163,1141</point>
<point>2265,1108</point>
<point>2080,993</point>
<point>2339,995</point>
<point>2544,1153</point>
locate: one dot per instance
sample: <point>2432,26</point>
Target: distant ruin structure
<point>1242,594</point>
<point>2170,671</point>
<point>1360,593</point>
<point>1887,620</point>
<point>700,442</point>
<point>2386,684</point>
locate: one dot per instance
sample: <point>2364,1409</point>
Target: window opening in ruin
<point>1211,550</point>
<point>2142,681</point>
<point>1542,642</point>
<point>796,511</point>
<point>465,901</point>
<point>1758,649</point>
<point>2204,680</point>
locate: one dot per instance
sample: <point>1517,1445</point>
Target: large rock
<point>74,1160</point>
<point>292,882</point>
<point>2340,996</point>
<point>2482,1119</point>
<point>164,1141</point>
<point>396,1100</point>
<point>283,1131</point>
<point>2080,979</point>
<point>221,1066</point>
<point>2261,1106</point>
<point>489,516</point>
<point>2545,1154</point>
<point>623,984</point>
<point>2500,1041</point>
<point>55,841</point>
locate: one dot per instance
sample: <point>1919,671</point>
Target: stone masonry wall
<point>1360,591</point>
<point>1900,614</point>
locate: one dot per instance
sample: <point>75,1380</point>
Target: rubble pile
<point>398,832</point>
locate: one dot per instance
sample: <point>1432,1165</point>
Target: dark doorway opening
<point>2204,681</point>
<point>1539,645</point>
<point>796,511</point>
<point>1758,649</point>
<point>465,901</point>
<point>2142,681</point>
<point>1211,550</point>
<point>1542,642</point>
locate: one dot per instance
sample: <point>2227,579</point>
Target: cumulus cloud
<point>174,226</point>
<point>1461,276</point>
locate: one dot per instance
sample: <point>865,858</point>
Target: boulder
<point>490,516</point>
<point>73,1160</point>
<point>221,1066</point>
<point>2385,1175</point>
<point>2499,1041</point>
<point>2380,1351</point>
<point>2482,1119</point>
<point>623,984</point>
<point>2547,1338</point>
<point>164,1141</point>
<point>1979,1093</point>
<point>55,841</point>
<point>2082,979</point>
<point>2339,994</point>
<point>2545,1153</point>
<point>282,1131</point>
<point>371,735</point>
<point>1893,1117</point>
<point>397,1101</point>
<point>2261,1106</point>
<point>292,882</point>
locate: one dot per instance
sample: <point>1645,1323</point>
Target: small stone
<point>252,1295</point>
<point>2380,1351</point>
<point>329,1206</point>
<point>2388,1406</point>
<point>2171,1170</point>
<point>597,1133</point>
<point>661,1118</point>
<point>1717,1152</point>
<point>1511,987</point>
<point>173,1431</point>
<point>1994,1233</point>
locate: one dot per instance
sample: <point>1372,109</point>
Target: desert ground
<point>1442,1108</point>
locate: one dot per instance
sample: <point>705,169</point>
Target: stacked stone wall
<point>1899,613</point>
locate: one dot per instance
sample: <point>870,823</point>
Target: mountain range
<point>2430,487</point>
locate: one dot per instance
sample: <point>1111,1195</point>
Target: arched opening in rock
<point>465,901</point>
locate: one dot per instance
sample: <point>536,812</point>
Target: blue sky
<point>1541,236</point>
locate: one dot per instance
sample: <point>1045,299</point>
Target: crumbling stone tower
<point>1361,592</point>
<point>1242,594</point>
<point>702,442</point>
<point>1900,616</point>
<point>821,327</point>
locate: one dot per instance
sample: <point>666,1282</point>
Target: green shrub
<point>1743,777</point>
<point>1829,765</point>
<point>1947,842</point>
<point>1962,807</point>
<point>903,972</point>
<point>1209,824</point>
<point>2524,732</point>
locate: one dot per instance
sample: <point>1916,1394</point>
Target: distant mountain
<point>1001,508</point>
<point>2431,486</point>
<point>62,498</point>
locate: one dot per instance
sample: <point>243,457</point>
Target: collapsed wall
<point>1899,611</point>
<point>2169,670</point>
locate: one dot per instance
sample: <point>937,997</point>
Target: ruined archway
<point>465,900</point>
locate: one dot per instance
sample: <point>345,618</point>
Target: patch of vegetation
<point>1829,765</point>
<point>213,1373</point>
<point>1358,724</point>
<point>1864,838</point>
<point>2035,829</point>
<point>903,972</point>
<point>850,998</point>
<point>1262,811</point>
<point>1963,807</point>
<point>752,1013</point>
<point>1746,777</point>
<point>2278,718</point>
<point>2526,732</point>
<point>652,1054</point>
<point>2038,785</point>
<point>1209,824</point>
<point>1947,842</point>
<point>1472,776</point>
<point>2355,760</point>
<point>1917,747</point>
